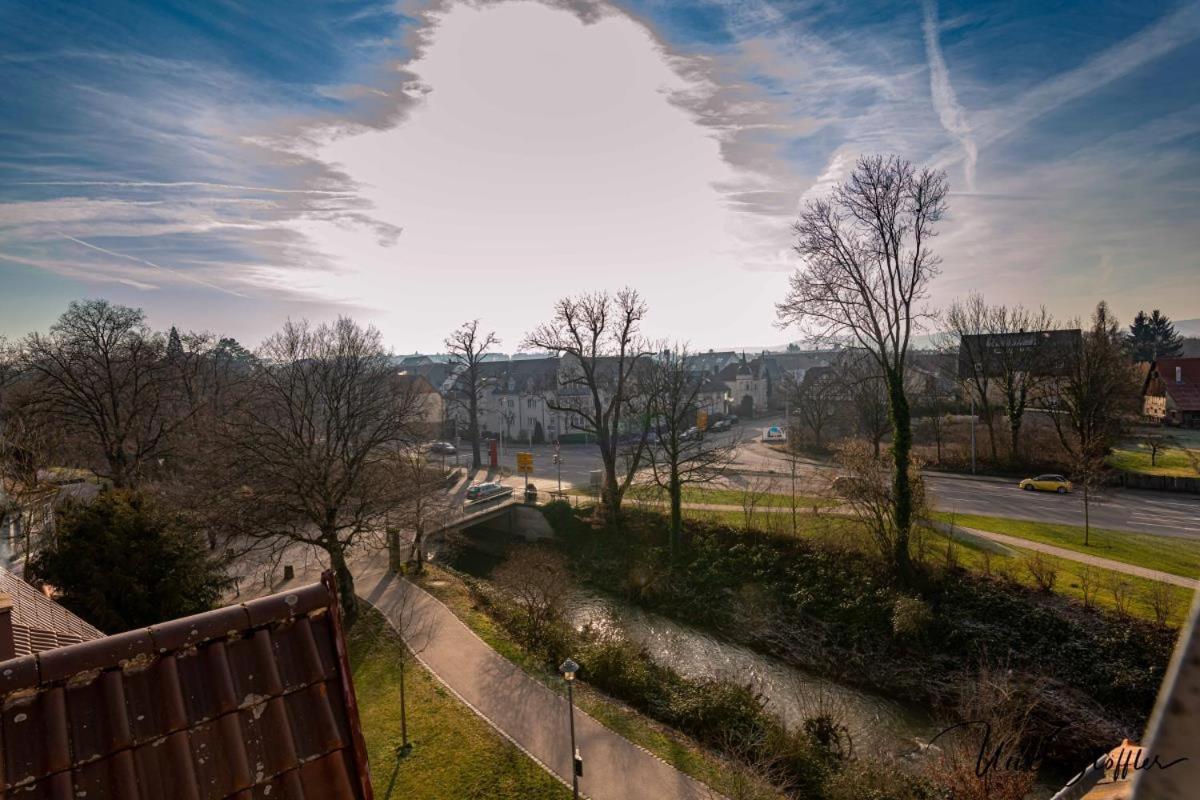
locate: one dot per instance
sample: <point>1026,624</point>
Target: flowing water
<point>876,723</point>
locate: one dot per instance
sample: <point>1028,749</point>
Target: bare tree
<point>814,403</point>
<point>410,614</point>
<point>1092,398</point>
<point>968,323</point>
<point>1156,443</point>
<point>598,336</point>
<point>677,460</point>
<point>866,393</point>
<point>311,453</point>
<point>866,488</point>
<point>1021,371</point>
<point>425,502</point>
<point>106,379</point>
<point>536,580</point>
<point>467,347</point>
<point>868,264</point>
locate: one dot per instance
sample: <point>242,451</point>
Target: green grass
<point>1170,461</point>
<point>668,744</point>
<point>454,752</point>
<point>977,558</point>
<point>723,496</point>
<point>1165,554</point>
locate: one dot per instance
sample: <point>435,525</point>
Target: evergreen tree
<point>120,563</point>
<point>1152,336</point>
<point>174,345</point>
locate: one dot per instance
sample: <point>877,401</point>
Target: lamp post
<point>568,670</point>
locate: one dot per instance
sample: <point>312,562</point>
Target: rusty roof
<point>249,701</point>
<point>39,623</point>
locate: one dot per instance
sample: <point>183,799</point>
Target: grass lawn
<point>1166,554</point>
<point>722,496</point>
<point>454,753</point>
<point>668,744</point>
<point>1135,457</point>
<point>1069,582</point>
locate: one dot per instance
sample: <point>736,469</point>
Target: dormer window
<point>1178,374</point>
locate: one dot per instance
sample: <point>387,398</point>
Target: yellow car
<point>1046,483</point>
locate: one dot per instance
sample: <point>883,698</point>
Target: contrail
<point>945,102</point>
<point>184,184</point>
<point>159,267</point>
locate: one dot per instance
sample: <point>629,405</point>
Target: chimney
<point>8,648</point>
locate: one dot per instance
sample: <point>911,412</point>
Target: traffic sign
<point>525,463</point>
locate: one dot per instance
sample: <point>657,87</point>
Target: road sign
<point>525,463</point>
<point>702,420</point>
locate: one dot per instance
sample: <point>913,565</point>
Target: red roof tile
<point>249,701</point>
<point>1186,392</point>
<point>39,623</point>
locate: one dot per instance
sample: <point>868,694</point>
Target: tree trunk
<point>901,488</point>
<point>991,429</point>
<point>473,429</point>
<point>1014,426</point>
<point>344,578</point>
<point>395,563</point>
<point>676,491</point>
<point>416,553</point>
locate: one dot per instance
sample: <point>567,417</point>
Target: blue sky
<point>225,165</point>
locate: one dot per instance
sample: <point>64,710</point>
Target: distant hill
<point>1187,327</point>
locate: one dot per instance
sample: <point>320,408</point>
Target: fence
<point>1161,483</point>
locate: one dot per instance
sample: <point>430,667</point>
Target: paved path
<point>520,707</point>
<point>1074,555</point>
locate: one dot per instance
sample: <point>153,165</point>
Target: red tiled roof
<point>1186,395</point>
<point>39,623</point>
<point>249,701</point>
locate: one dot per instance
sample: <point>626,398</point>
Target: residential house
<point>31,622</point>
<point>428,403</point>
<point>748,384</point>
<point>1171,392</point>
<point>712,396</point>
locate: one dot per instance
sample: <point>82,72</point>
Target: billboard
<point>1041,352</point>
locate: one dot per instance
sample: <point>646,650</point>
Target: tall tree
<point>676,460</point>
<point>866,393</point>
<point>467,347</point>
<point>312,449</point>
<point>1092,399</point>
<point>121,563</point>
<point>598,336</point>
<point>1153,336</point>
<point>968,324</point>
<point>867,266</point>
<point>1021,369</point>
<point>103,376</point>
<point>814,403</point>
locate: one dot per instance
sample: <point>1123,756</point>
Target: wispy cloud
<point>167,270</point>
<point>950,112</point>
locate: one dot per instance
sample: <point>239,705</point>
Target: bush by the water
<point>841,613</point>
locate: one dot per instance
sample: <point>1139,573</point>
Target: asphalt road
<point>1162,513</point>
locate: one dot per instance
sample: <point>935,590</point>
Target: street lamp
<point>568,670</point>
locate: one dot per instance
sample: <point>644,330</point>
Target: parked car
<point>442,449</point>
<point>720,425</point>
<point>482,491</point>
<point>691,433</point>
<point>1046,483</point>
<point>733,419</point>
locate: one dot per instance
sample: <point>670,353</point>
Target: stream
<point>876,723</point>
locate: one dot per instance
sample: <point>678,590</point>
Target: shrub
<point>1042,570</point>
<point>911,617</point>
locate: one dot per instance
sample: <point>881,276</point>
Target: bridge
<point>503,513</point>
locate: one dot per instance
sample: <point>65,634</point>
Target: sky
<point>227,165</point>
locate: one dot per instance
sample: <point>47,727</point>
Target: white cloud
<point>547,157</point>
<point>950,112</point>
